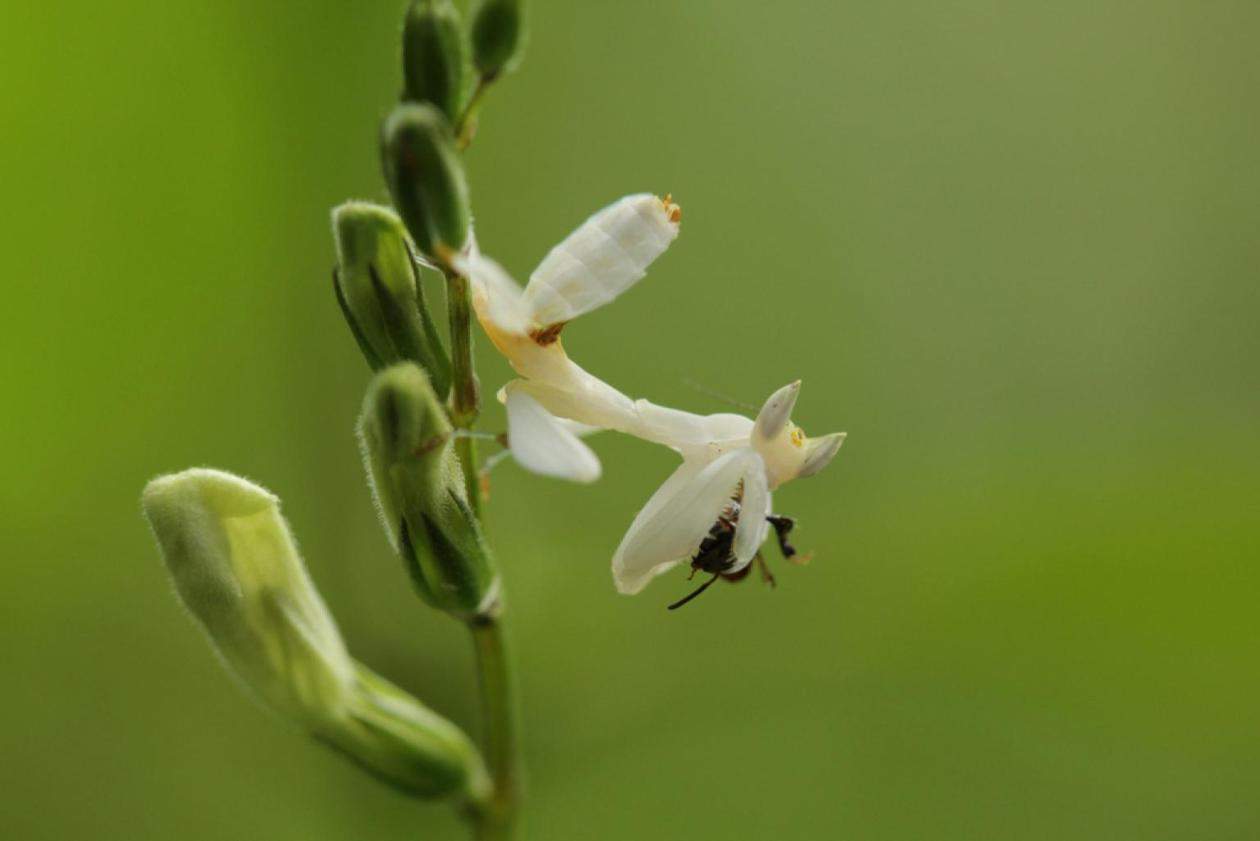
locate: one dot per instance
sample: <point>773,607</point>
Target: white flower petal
<point>541,443</point>
<point>676,519</point>
<point>750,532</point>
<point>604,257</point>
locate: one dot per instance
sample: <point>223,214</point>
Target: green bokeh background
<point>1011,248</point>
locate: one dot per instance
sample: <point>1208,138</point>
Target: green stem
<point>497,819</point>
<point>466,449</point>
<point>467,123</point>
<point>465,399</point>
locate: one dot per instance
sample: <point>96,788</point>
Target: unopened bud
<point>498,36</point>
<point>426,179</point>
<point>378,287</point>
<point>415,475</point>
<point>404,743</point>
<point>435,60</point>
<point>237,570</point>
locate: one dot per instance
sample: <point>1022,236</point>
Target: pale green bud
<point>498,36</point>
<point>404,743</point>
<point>426,179</point>
<point>415,475</point>
<point>435,57</point>
<point>378,287</point>
<point>236,568</point>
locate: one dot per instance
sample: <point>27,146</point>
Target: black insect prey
<point>716,554</point>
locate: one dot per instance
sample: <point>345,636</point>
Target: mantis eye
<point>774,415</point>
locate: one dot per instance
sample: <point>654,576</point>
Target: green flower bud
<point>498,36</point>
<point>426,179</point>
<point>236,568</point>
<point>379,290</point>
<point>415,476</point>
<point>400,741</point>
<point>435,60</point>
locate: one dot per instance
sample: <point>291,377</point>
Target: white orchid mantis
<point>714,510</point>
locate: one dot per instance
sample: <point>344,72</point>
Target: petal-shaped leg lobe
<point>544,444</point>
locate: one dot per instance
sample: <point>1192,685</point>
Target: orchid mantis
<point>730,463</point>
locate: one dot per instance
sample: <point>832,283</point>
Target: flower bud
<point>399,740</point>
<point>236,568</point>
<point>498,36</point>
<point>435,60</point>
<point>426,179</point>
<point>379,290</point>
<point>415,476</point>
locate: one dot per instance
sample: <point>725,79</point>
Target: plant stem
<point>495,820</point>
<point>467,123</point>
<point>465,399</point>
<point>498,818</point>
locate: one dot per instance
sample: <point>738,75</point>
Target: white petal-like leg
<point>604,257</point>
<point>677,518</point>
<point>584,398</point>
<point>751,530</point>
<point>630,580</point>
<point>696,436</point>
<point>543,444</point>
<point>579,429</point>
<point>497,298</point>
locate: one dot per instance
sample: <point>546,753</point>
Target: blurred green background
<point>1010,248</point>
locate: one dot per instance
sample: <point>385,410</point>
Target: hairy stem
<point>465,399</point>
<point>497,819</point>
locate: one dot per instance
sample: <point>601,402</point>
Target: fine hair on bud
<point>498,36</point>
<point>415,476</point>
<point>236,568</point>
<point>426,179</point>
<point>377,283</point>
<point>435,57</point>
